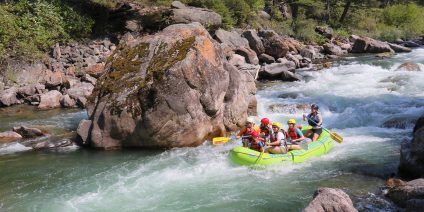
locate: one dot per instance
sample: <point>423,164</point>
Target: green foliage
<point>408,18</point>
<point>305,30</point>
<point>29,28</point>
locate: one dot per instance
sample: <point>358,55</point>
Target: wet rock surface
<point>412,153</point>
<point>330,200</point>
<point>157,70</point>
<point>410,195</point>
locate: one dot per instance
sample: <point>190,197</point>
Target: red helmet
<point>265,121</point>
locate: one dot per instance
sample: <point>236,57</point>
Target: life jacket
<point>291,133</point>
<point>313,118</point>
<point>256,146</point>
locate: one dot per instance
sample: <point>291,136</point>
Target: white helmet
<point>250,120</point>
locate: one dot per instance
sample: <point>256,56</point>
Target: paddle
<point>333,135</point>
<point>220,140</point>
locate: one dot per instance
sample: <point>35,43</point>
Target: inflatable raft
<point>245,156</point>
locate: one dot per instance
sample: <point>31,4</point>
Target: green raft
<point>245,156</point>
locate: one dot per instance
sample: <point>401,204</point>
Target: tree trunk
<point>345,10</point>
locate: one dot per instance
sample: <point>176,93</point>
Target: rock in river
<point>171,89</point>
<point>412,153</point>
<point>330,200</point>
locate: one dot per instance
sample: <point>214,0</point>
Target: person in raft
<point>265,130</point>
<point>247,131</point>
<point>315,120</point>
<point>277,144</point>
<point>255,142</point>
<point>294,135</point>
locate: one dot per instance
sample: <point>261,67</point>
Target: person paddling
<point>294,136</point>
<point>247,130</point>
<point>276,146</point>
<point>315,120</point>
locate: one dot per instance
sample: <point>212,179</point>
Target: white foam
<point>13,148</point>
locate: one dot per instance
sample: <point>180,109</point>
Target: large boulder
<point>411,44</point>
<point>330,200</point>
<point>274,44</point>
<point>364,44</point>
<point>28,132</point>
<point>9,97</point>
<point>50,99</point>
<point>255,41</point>
<point>403,194</point>
<point>279,71</point>
<point>325,31</point>
<point>171,89</point>
<point>204,16</point>
<point>412,153</point>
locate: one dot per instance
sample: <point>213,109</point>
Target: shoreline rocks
<point>412,153</point>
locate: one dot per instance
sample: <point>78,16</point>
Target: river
<point>357,96</point>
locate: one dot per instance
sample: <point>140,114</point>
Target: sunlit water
<point>356,97</point>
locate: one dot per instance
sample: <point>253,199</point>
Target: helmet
<point>291,121</point>
<point>250,120</point>
<point>265,121</point>
<point>315,106</point>
<point>278,124</point>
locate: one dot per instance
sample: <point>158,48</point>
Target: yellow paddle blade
<point>336,137</point>
<point>220,140</point>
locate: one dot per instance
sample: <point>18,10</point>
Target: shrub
<point>408,18</point>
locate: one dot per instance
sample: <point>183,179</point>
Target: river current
<point>361,98</point>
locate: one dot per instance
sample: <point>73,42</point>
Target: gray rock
<point>253,70</point>
<point>9,136</point>
<point>408,66</point>
<point>330,200</point>
<point>80,89</point>
<point>178,5</point>
<point>264,58</point>
<point>364,44</point>
<point>90,79</point>
<point>27,90</point>
<point>411,190</point>
<point>152,112</point>
<point>50,99</point>
<point>28,132</point>
<point>412,153</point>
<point>279,71</point>
<point>325,31</point>
<point>9,97</point>
<point>53,79</point>
<point>411,44</point>
<point>264,15</point>
<point>398,48</point>
<point>205,17</point>
<point>274,44</point>
<point>332,49</point>
<point>249,55</point>
<point>83,131</point>
<point>413,205</point>
<point>308,52</point>
<point>237,60</point>
<point>67,102</point>
<point>294,59</point>
<point>255,41</point>
<point>232,39</point>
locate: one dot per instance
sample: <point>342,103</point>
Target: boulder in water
<point>398,48</point>
<point>403,194</point>
<point>279,71</point>
<point>330,200</point>
<point>28,132</point>
<point>412,153</point>
<point>408,66</point>
<point>289,108</point>
<point>9,136</point>
<point>364,44</point>
<point>171,89</point>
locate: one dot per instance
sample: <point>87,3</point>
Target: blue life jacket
<point>314,118</point>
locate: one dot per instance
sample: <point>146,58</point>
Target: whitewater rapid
<point>357,97</point>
